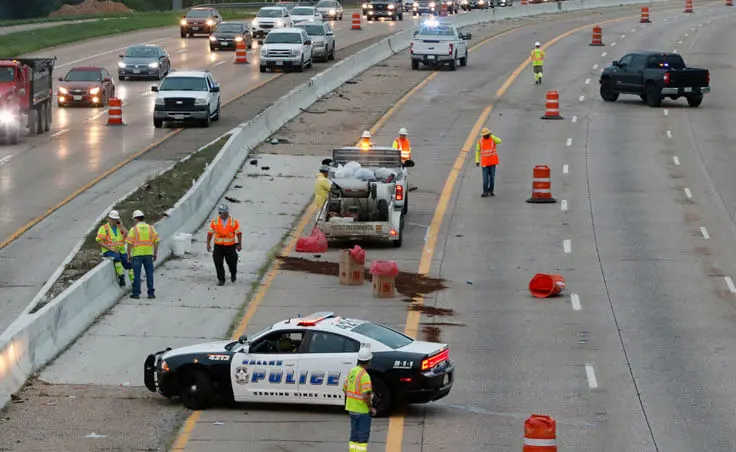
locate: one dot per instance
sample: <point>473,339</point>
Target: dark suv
<point>375,9</point>
<point>199,21</point>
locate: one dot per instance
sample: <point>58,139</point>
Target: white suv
<point>289,48</point>
<point>191,96</point>
<point>270,18</point>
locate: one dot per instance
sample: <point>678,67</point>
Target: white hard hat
<point>366,134</point>
<point>537,44</point>
<point>137,214</point>
<point>365,354</point>
<point>403,131</point>
<point>114,215</point>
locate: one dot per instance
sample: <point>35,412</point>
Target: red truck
<point>26,93</point>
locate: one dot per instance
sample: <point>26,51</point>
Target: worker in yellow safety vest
<point>225,229</point>
<point>111,238</point>
<point>322,186</point>
<point>487,158</point>
<point>365,140</point>
<point>537,62</point>
<point>359,401</point>
<point>402,144</point>
<point>143,250</point>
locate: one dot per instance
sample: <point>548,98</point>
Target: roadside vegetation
<point>23,42</point>
<point>154,198</point>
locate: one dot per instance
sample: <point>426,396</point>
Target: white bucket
<point>181,244</point>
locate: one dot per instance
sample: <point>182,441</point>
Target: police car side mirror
<point>409,163</point>
<point>243,339</point>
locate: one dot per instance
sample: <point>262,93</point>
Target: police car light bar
<point>315,318</point>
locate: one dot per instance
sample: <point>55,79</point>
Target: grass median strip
<point>22,42</point>
<point>155,197</point>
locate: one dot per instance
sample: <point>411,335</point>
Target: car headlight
<point>159,101</point>
<point>6,117</point>
<point>238,38</point>
<point>277,22</point>
<point>212,38</point>
<point>153,65</point>
<point>210,22</point>
<point>63,90</point>
<point>95,90</point>
<point>391,7</point>
<point>183,22</point>
<point>200,102</point>
<point>332,12</point>
<point>254,24</point>
<point>121,64</point>
<point>365,5</point>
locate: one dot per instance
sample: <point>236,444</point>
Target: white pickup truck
<point>437,43</point>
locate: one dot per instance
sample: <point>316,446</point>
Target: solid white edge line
<point>729,283</point>
<point>569,141</point>
<point>688,193</point>
<point>219,63</point>
<point>567,246</point>
<point>575,301</point>
<point>590,372</point>
<point>565,168</point>
<point>676,159</point>
<point>613,44</point>
<point>623,36</point>
<point>59,133</point>
<point>704,232</point>
<point>669,134</point>
<point>5,159</point>
<point>563,205</point>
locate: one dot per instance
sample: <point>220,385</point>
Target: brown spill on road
<point>431,333</point>
<point>411,285</point>
<point>431,311</point>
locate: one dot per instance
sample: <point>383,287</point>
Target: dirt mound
<point>92,8</point>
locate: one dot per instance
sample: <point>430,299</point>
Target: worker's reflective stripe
<point>357,393</point>
<point>225,235</point>
<point>107,238</point>
<point>361,446</point>
<point>539,442</point>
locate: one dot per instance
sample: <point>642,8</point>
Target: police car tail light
<point>452,47</point>
<point>432,361</point>
<point>666,78</point>
<point>399,192</point>
<point>411,47</point>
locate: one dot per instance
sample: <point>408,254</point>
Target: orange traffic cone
<point>597,36</point>
<point>241,53</point>
<point>688,6</point>
<point>645,15</point>
<point>115,112</point>
<point>729,2</point>
<point>552,106</point>
<point>540,434</point>
<point>541,186</point>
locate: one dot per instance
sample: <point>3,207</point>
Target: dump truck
<point>368,198</point>
<point>26,92</point>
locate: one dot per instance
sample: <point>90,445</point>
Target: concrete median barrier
<point>34,339</point>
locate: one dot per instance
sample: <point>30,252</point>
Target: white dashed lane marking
<point>587,81</point>
<point>569,141</point>
<point>729,283</point>
<point>676,159</point>
<point>565,169</point>
<point>563,205</point>
<point>688,193</point>
<point>575,301</point>
<point>590,372</point>
<point>704,232</point>
<point>669,134</point>
<point>567,246</point>
<point>574,119</point>
<point>581,98</point>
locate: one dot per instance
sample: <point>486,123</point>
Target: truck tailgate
<point>430,47</point>
<point>689,77</point>
<point>355,229</point>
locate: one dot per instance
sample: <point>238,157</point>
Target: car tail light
<point>666,78</point>
<point>399,192</point>
<point>432,361</point>
<point>452,47</point>
<point>411,47</point>
<point>707,77</point>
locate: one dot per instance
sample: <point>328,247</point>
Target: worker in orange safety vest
<point>487,158</point>
<point>402,144</point>
<point>228,241</point>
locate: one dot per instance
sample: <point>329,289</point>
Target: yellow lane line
<point>395,432</point>
<point>23,229</point>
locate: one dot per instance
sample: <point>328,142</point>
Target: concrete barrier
<point>34,340</point>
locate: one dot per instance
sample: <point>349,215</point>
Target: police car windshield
<point>383,334</point>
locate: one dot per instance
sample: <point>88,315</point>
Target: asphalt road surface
<point>72,159</point>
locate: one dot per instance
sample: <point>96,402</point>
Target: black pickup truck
<point>654,76</point>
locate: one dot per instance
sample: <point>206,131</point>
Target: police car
<point>305,361</point>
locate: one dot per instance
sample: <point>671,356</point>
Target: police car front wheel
<point>196,389</point>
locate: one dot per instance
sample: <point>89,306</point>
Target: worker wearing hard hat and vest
<point>365,140</point>
<point>359,401</point>
<point>143,250</point>
<point>111,238</point>
<point>402,144</point>
<point>322,187</point>
<point>228,241</point>
<point>487,158</point>
<point>537,62</point>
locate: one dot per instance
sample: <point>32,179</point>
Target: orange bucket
<point>543,285</point>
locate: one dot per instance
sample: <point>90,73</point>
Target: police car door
<point>267,372</point>
<point>328,358</point>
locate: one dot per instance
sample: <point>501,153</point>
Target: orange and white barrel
<point>541,186</point>
<point>688,6</point>
<point>552,106</point>
<point>115,112</point>
<point>645,15</point>
<point>241,53</point>
<point>597,36</point>
<point>357,22</point>
<point>540,434</point>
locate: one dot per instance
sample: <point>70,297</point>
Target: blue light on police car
<point>431,22</point>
